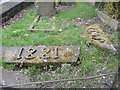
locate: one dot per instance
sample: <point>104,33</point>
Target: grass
<point>93,59</point>
<point>17,34</point>
<point>81,10</point>
<point>6,65</point>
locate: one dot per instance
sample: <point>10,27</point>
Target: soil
<point>17,17</point>
<point>78,22</point>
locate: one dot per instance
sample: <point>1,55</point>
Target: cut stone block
<point>41,54</point>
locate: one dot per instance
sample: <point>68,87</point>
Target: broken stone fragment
<point>96,36</point>
<point>94,33</point>
<point>102,41</point>
<point>109,46</point>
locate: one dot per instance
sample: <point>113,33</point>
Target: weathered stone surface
<point>46,8</point>
<point>8,78</point>
<point>41,54</point>
<point>96,36</point>
<point>108,20</point>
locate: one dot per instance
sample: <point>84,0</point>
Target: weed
<point>6,65</point>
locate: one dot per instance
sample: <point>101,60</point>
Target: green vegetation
<point>93,60</point>
<point>17,34</point>
<point>81,10</point>
<point>6,65</point>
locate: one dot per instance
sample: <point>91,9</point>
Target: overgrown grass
<point>17,34</point>
<point>81,10</point>
<point>6,65</point>
<point>93,60</point>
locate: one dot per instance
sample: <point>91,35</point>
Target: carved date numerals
<point>45,54</point>
<point>20,53</point>
<point>55,53</point>
<point>30,54</point>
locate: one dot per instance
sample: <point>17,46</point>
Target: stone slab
<point>9,5</point>
<point>40,54</point>
<point>107,20</point>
